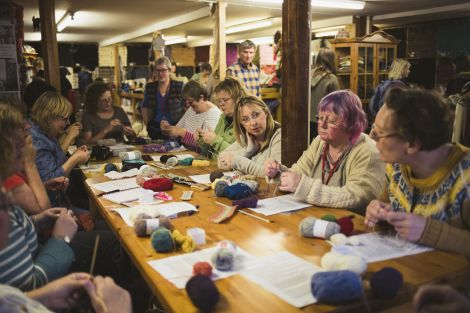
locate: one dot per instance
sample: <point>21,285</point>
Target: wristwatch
<point>65,238</point>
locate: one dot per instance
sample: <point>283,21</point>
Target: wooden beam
<point>221,44</point>
<point>295,79</point>
<point>117,72</point>
<point>50,51</point>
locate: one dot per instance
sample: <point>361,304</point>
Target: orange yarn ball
<point>202,268</point>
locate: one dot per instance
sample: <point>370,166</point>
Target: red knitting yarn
<point>346,224</point>
<point>202,268</point>
<point>158,184</point>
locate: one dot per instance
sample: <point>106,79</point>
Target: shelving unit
<point>364,62</point>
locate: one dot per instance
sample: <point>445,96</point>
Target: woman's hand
<point>409,226</point>
<point>74,130</point>
<point>107,297</point>
<point>252,146</point>
<point>376,211</point>
<point>208,136</point>
<point>128,131</point>
<point>225,160</point>
<point>65,225</point>
<point>289,181</point>
<point>271,168</point>
<point>111,125</point>
<point>57,183</point>
<point>175,131</point>
<point>81,156</point>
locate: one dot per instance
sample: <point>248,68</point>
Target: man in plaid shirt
<point>244,70</point>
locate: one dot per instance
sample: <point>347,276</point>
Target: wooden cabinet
<point>364,62</point>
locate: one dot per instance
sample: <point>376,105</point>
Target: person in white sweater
<point>342,167</point>
<point>258,138</point>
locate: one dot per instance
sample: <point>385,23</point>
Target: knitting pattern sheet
<point>285,275</point>
<point>179,269</point>
<point>285,203</point>
<point>374,247</point>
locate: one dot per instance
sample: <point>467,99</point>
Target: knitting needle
<point>95,250</point>
<point>257,217</point>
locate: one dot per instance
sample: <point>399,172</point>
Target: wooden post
<point>295,79</point>
<point>117,73</point>
<point>221,44</point>
<point>49,42</point>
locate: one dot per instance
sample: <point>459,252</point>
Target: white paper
<point>126,195</point>
<point>205,178</point>
<point>168,209</point>
<point>285,275</point>
<point>116,175</point>
<point>116,185</point>
<point>376,247</point>
<point>179,269</point>
<point>178,156</point>
<point>285,203</point>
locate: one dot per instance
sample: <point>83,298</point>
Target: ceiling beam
<point>164,24</point>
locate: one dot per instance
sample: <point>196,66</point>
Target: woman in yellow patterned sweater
<point>426,199</point>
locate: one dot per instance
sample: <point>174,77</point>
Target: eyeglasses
<point>330,123</point>
<point>106,100</point>
<point>162,70</point>
<point>222,101</point>
<point>189,101</point>
<point>376,137</point>
<point>254,116</point>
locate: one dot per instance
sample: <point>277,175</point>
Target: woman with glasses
<point>427,195</point>
<point>213,141</point>
<point>103,120</point>
<point>258,138</point>
<point>202,114</point>
<point>341,168</point>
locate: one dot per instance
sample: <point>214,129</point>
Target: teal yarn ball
<point>186,161</point>
<point>336,286</point>
<point>161,240</point>
<point>386,283</point>
<point>220,186</point>
<point>312,227</point>
<point>223,259</point>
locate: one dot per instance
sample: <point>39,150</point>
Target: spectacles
<point>376,137</point>
<point>106,100</point>
<point>64,119</point>
<point>254,116</point>
<point>189,101</point>
<point>330,123</point>
<point>163,70</point>
<point>222,101</point>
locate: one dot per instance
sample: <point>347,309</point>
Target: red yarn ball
<point>202,268</point>
<point>158,184</point>
<point>346,224</point>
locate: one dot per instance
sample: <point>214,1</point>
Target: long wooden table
<point>260,238</point>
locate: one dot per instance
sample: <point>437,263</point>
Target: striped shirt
<point>248,74</point>
<point>192,121</point>
<point>25,265</point>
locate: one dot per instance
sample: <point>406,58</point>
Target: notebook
<point>115,185</point>
<point>126,196</point>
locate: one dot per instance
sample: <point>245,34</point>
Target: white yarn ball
<point>335,261</point>
<point>338,239</point>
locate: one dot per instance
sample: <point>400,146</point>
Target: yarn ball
<point>165,157</point>
<point>144,225</point>
<point>339,239</point>
<point>247,177</point>
<point>313,227</point>
<point>386,283</point>
<point>185,242</point>
<point>333,261</point>
<point>336,286</point>
<point>201,163</point>
<point>140,141</point>
<point>186,161</point>
<point>329,218</point>
<point>237,191</point>
<point>223,259</point>
<point>110,167</point>
<point>130,155</point>
<point>346,225</point>
<point>220,187</point>
<point>158,184</point>
<point>216,174</point>
<point>254,185</point>
<point>170,145</point>
<point>202,292</point>
<point>250,202</point>
<point>148,171</point>
<point>161,240</point>
<point>202,268</point>
<point>173,161</point>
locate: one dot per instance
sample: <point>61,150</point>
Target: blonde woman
<point>258,138</point>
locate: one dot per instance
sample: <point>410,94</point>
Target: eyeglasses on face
<point>374,135</point>
<point>329,122</point>
<point>161,70</point>
<point>223,101</point>
<point>254,116</point>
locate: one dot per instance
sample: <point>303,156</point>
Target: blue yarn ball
<point>219,189</point>
<point>202,292</point>
<point>110,167</point>
<point>237,191</point>
<point>385,283</point>
<point>223,259</point>
<point>336,286</point>
<point>161,240</point>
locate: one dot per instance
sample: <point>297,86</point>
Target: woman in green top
<point>212,142</point>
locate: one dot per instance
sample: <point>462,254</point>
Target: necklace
<point>332,166</point>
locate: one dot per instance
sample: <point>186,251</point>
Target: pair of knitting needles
<point>244,212</point>
<point>280,168</point>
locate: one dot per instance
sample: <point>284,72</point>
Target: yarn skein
<point>201,163</point>
<point>346,225</point>
<point>386,283</point>
<point>333,261</point>
<point>185,242</point>
<point>161,240</point>
<point>254,185</point>
<point>250,202</point>
<point>216,174</point>
<point>202,268</point>
<point>130,155</point>
<point>237,191</point>
<point>224,257</point>
<point>173,161</point>
<point>336,286</point>
<point>219,187</point>
<point>165,157</point>
<point>145,226</point>
<point>110,167</point>
<point>186,161</point>
<point>313,227</point>
<point>329,218</point>
<point>203,293</point>
<point>158,184</point>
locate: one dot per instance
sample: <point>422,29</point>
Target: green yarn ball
<point>187,161</point>
<point>329,218</point>
<point>162,241</point>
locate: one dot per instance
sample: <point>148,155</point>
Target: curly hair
<point>11,121</point>
<point>420,116</point>
<point>93,94</point>
<point>397,69</point>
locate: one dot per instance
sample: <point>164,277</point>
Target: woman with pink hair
<point>342,167</point>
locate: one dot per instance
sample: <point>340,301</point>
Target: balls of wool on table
<point>158,184</point>
<point>216,174</point>
<point>161,240</point>
<point>254,185</point>
<point>336,286</point>
<point>333,261</point>
<point>250,202</point>
<point>202,268</point>
<point>203,293</point>
<point>173,161</point>
<point>185,242</point>
<point>144,227</point>
<point>220,186</point>
<point>110,167</point>
<point>148,171</point>
<point>201,163</point>
<point>313,227</point>
<point>186,161</point>
<point>130,155</point>
<point>346,225</point>
<point>237,191</point>
<point>223,259</point>
<point>165,157</point>
<point>386,283</point>
<point>329,218</point>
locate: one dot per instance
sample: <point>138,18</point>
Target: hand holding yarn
<point>289,181</point>
<point>111,125</point>
<point>407,225</point>
<point>376,211</point>
<point>225,160</point>
<point>271,168</point>
<point>208,136</point>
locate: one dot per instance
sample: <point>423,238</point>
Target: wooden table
<point>260,238</point>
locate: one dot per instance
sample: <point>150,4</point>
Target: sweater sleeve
<point>364,182</point>
<point>46,164</point>
<point>54,259</point>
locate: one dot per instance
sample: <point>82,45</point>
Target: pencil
<point>257,217</point>
<point>95,250</point>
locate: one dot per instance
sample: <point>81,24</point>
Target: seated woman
<point>103,120</point>
<point>341,168</point>
<point>49,117</point>
<point>426,198</point>
<point>212,142</point>
<point>258,138</point>
<point>201,114</point>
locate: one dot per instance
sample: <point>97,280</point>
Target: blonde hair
<point>11,121</point>
<point>48,106</point>
<point>397,69</point>
<point>239,129</point>
<point>233,87</point>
